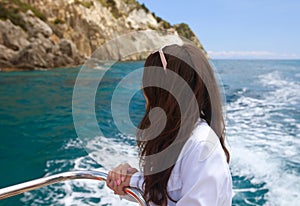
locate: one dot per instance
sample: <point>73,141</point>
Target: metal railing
<point>44,181</point>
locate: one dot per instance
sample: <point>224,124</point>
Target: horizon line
<point>263,59</point>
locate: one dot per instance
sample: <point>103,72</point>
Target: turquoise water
<point>38,136</point>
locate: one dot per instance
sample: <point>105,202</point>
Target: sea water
<point>38,137</point>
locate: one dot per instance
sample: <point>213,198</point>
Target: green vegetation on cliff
<point>10,9</point>
<point>165,24</point>
<point>87,4</point>
<point>184,30</point>
<point>12,14</point>
<point>113,7</point>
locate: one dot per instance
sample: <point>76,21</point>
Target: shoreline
<point>29,68</point>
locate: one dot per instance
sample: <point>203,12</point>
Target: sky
<point>242,29</point>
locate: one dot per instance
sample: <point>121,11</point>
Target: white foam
<point>261,146</point>
<point>286,91</point>
<point>111,152</point>
<point>79,192</point>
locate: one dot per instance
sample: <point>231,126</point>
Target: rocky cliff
<point>36,34</point>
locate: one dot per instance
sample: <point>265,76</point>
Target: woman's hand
<point>119,177</point>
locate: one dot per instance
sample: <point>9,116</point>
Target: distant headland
<point>44,34</point>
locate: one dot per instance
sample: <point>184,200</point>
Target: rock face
<point>13,37</point>
<point>37,34</point>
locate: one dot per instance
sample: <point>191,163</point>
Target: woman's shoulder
<point>203,141</point>
<point>202,164</point>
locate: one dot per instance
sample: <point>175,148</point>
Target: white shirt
<point>201,175</point>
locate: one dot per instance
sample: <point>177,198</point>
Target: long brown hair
<point>189,64</point>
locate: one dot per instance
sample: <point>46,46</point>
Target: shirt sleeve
<point>137,180</point>
<point>206,182</point>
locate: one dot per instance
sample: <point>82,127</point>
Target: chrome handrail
<point>44,181</point>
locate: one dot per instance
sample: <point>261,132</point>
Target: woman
<point>182,153</point>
